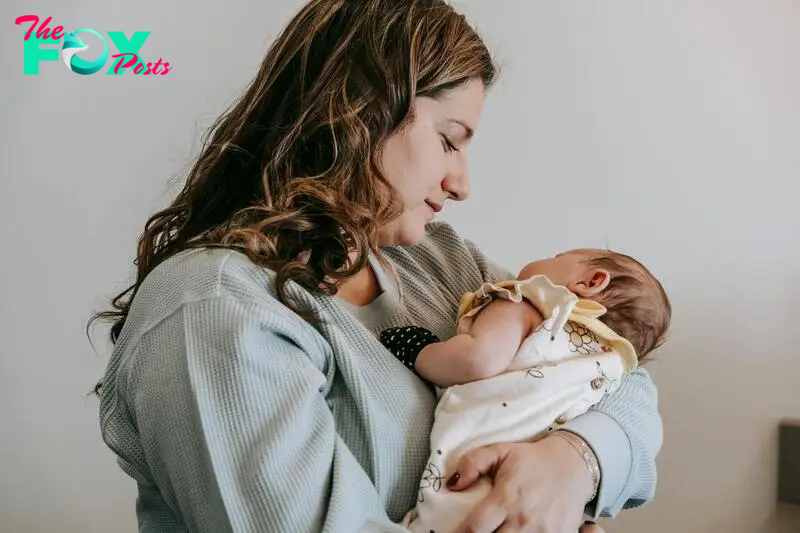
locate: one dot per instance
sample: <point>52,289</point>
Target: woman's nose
<point>456,182</point>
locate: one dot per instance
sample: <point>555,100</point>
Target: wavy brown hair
<point>293,166</point>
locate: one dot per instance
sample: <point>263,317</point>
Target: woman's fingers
<point>486,517</point>
<point>535,488</point>
<point>478,462</point>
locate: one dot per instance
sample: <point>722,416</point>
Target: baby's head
<point>638,307</point>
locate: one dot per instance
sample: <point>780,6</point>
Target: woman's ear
<point>593,282</point>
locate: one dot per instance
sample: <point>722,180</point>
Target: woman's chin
<point>414,234</point>
<point>405,235</point>
<point>408,230</point>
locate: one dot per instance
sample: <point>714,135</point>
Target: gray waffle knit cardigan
<point>234,414</point>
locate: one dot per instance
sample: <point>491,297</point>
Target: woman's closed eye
<point>448,145</point>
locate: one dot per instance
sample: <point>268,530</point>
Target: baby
<point>529,355</point>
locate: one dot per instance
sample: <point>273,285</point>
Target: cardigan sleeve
<point>227,400</point>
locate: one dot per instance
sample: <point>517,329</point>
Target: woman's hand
<point>539,487</point>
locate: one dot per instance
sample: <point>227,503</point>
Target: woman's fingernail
<point>589,523</point>
<point>453,479</point>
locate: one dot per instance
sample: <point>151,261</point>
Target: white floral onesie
<point>563,368</point>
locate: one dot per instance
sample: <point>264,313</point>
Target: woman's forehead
<point>462,104</point>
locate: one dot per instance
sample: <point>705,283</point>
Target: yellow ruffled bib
<point>552,301</point>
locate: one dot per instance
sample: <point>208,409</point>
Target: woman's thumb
<point>477,462</point>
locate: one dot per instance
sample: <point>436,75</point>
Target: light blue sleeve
<point>235,429</point>
<point>625,430</point>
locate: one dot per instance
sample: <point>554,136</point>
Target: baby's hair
<point>638,306</point>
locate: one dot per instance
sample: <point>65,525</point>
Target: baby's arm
<point>486,351</point>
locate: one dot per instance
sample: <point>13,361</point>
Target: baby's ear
<point>592,282</point>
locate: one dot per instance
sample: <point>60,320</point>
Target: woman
<point>247,390</point>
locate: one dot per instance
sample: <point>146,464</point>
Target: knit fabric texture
<point>232,413</point>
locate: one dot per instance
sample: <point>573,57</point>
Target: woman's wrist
<point>588,457</point>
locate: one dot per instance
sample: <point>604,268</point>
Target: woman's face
<point>426,161</point>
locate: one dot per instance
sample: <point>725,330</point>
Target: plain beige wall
<point>668,129</point>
